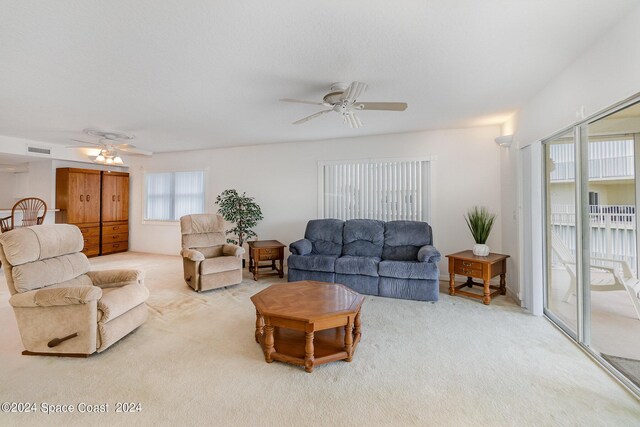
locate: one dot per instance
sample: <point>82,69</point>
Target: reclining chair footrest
<point>35,353</point>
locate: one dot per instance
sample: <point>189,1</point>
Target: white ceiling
<point>188,74</point>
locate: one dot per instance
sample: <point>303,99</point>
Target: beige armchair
<point>209,262</point>
<point>61,307</point>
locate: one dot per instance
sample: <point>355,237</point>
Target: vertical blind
<point>170,195</point>
<point>383,190</point>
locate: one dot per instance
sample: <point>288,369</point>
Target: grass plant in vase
<point>480,222</point>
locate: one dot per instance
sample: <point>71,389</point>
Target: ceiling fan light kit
<point>342,99</point>
<point>110,144</point>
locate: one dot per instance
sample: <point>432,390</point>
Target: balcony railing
<point>613,230</point>
<point>607,160</point>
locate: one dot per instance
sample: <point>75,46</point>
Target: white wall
<point>7,189</point>
<point>283,179</point>
<point>602,76</point>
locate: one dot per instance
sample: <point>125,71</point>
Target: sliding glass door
<point>592,289</point>
<point>561,237</point>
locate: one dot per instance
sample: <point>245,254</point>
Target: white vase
<point>480,250</point>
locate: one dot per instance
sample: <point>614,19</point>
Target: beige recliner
<point>62,308</point>
<point>209,262</point>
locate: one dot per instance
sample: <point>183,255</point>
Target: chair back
<point>561,250</point>
<point>204,233</point>
<point>31,210</point>
<point>44,255</point>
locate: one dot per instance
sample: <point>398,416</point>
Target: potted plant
<point>480,222</point>
<point>240,210</point>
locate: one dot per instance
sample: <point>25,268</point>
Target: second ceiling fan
<point>343,99</point>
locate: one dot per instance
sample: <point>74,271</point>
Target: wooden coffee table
<point>308,323</point>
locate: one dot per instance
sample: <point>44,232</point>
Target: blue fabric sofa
<point>392,259</point>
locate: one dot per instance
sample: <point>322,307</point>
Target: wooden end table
<point>480,267</point>
<point>266,250</point>
<point>308,323</point>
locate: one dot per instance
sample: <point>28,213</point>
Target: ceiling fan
<point>110,144</point>
<point>343,99</point>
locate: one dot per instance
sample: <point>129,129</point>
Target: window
<point>374,189</point>
<point>170,195</point>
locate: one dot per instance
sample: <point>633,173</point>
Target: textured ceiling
<point>196,74</point>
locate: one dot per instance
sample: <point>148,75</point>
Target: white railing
<point>613,230</point>
<point>607,159</point>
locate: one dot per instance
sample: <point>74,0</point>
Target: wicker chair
<point>30,209</point>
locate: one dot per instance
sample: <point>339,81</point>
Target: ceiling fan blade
<point>313,116</point>
<point>133,150</point>
<point>354,91</point>
<point>299,101</point>
<point>87,142</point>
<point>352,120</point>
<point>381,106</point>
<point>82,146</point>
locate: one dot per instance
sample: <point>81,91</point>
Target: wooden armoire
<point>98,203</point>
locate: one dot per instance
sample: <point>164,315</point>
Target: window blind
<point>170,195</point>
<point>383,190</point>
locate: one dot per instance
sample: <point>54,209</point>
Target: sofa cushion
<point>119,300</point>
<point>408,270</point>
<point>38,274</point>
<point>325,236</point>
<point>220,264</point>
<point>403,239</point>
<point>39,242</point>
<point>366,266</point>
<point>363,237</point>
<point>313,262</point>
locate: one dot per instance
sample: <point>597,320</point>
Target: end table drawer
<point>467,271</point>
<point>468,265</point>
<point>268,254</point>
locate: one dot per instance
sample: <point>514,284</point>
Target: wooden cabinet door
<point>92,198</point>
<point>109,197</point>
<point>122,209</point>
<point>75,203</point>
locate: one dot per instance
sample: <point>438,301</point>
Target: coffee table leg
<point>268,343</point>
<point>358,325</point>
<point>281,271</point>
<point>348,340</point>
<point>308,351</point>
<point>503,284</point>
<point>259,326</point>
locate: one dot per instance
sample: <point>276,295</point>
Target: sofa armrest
<point>301,247</point>
<point>49,297</point>
<point>232,250</point>
<point>115,278</point>
<point>192,254</point>
<point>429,253</point>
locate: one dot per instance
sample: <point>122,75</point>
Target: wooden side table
<point>266,250</point>
<point>480,267</point>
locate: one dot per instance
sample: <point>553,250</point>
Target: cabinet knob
<point>88,197</point>
<point>82,198</point>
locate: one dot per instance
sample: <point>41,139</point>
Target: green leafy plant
<point>480,222</point>
<point>240,210</point>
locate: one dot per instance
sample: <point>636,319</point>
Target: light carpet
<point>195,362</point>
